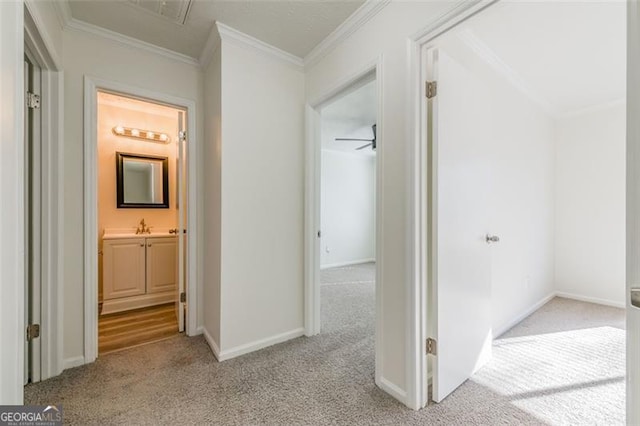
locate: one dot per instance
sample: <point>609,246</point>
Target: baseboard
<point>349,263</point>
<point>392,389</point>
<point>259,344</point>
<point>212,343</point>
<point>75,361</point>
<point>509,325</point>
<point>135,302</point>
<point>199,330</point>
<point>595,300</point>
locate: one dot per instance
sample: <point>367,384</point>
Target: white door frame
<point>420,208</point>
<point>51,208</point>
<point>313,144</point>
<point>633,212</point>
<point>91,87</point>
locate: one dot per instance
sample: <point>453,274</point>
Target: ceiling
<point>295,26</point>
<point>118,101</point>
<point>350,116</point>
<point>566,56</point>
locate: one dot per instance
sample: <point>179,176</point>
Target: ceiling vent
<point>175,10</point>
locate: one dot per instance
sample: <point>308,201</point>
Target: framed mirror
<point>142,181</point>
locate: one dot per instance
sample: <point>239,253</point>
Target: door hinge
<point>432,346</point>
<point>33,331</point>
<point>183,297</point>
<point>431,89</point>
<point>182,135</point>
<point>33,100</point>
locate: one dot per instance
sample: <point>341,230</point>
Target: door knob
<point>492,239</point>
<point>635,297</point>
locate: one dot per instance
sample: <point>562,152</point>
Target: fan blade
<point>363,146</point>
<point>353,139</point>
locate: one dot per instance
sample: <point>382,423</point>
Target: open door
<point>181,302</point>
<point>460,184</point>
<point>32,208</point>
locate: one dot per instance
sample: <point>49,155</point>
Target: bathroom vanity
<point>138,270</point>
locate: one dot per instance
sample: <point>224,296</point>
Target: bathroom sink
<point>113,234</point>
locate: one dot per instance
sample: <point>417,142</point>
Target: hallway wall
<point>124,64</point>
<point>259,152</point>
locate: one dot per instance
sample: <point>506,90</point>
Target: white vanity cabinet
<point>139,272</point>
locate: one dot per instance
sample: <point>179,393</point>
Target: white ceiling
<point>567,56</point>
<point>295,26</point>
<point>111,99</point>
<point>350,116</point>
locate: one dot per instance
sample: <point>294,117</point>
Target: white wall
<point>212,158</point>
<point>255,141</point>
<point>11,190</point>
<point>590,206</point>
<point>86,54</point>
<point>347,208</point>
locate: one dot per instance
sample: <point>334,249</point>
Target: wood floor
<point>131,328</point>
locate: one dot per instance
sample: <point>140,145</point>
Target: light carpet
<point>326,379</point>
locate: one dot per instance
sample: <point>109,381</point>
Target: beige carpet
<point>328,379</point>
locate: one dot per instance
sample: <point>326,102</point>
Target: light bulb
<point>150,135</point>
<point>135,132</point>
<point>119,130</point>
<point>163,137</point>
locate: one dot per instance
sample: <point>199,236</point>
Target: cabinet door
<point>162,262</point>
<point>123,268</point>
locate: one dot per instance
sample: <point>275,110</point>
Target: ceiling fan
<point>372,142</point>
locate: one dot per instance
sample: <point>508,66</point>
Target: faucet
<point>143,228</point>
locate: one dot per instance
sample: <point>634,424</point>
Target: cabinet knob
<point>142,245</point>
<point>149,245</point>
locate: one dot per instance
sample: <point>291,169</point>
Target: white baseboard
<point>135,302</point>
<point>259,344</point>
<point>76,361</point>
<point>199,330</point>
<point>510,324</point>
<point>349,263</point>
<point>392,389</point>
<point>212,344</point>
<point>596,300</point>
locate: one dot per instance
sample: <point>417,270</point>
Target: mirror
<point>142,181</point>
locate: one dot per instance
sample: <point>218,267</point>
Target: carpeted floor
<point>328,379</point>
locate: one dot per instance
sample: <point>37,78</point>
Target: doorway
<point>347,210</point>
<point>513,135</point>
<point>139,199</point>
<point>343,262</point>
<point>141,211</point>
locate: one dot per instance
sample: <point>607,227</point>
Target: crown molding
<point>487,54</point>
<point>232,35</point>
<point>356,20</point>
<point>210,47</point>
<point>68,22</point>
<point>63,11</point>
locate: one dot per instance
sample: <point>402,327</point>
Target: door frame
<point>91,87</point>
<point>50,236</point>
<point>313,153</point>
<point>421,209</point>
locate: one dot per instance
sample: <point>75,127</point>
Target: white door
<point>32,207</point>
<point>182,218</point>
<point>461,177</point>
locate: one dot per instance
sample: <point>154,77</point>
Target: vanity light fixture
<point>146,135</point>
